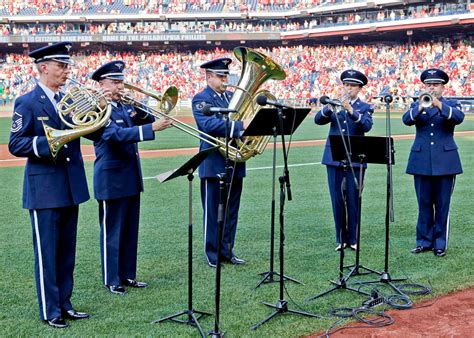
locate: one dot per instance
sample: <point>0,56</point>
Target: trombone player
<point>118,180</point>
<point>434,160</point>
<point>53,186</point>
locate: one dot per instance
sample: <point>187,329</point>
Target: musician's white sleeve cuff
<point>411,114</point>
<point>322,113</point>
<point>140,132</point>
<point>358,120</point>
<point>35,146</point>
<point>232,129</point>
<point>450,112</point>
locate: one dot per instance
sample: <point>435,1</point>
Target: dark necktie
<point>57,97</point>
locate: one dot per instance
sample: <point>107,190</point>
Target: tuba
<point>88,111</point>
<point>256,69</point>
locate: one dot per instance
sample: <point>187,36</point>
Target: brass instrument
<point>256,69</point>
<point>167,103</point>
<point>88,110</point>
<point>426,100</point>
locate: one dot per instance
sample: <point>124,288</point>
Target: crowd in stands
<point>359,17</point>
<point>311,71</point>
<point>112,7</point>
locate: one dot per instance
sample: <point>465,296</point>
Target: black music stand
<point>363,149</point>
<point>275,122</point>
<point>266,122</point>
<point>187,169</point>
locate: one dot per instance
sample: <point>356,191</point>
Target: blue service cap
<point>313,100</point>
<point>111,70</point>
<point>56,52</point>
<point>218,66</point>
<point>434,75</point>
<point>353,76</point>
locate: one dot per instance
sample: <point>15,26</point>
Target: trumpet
<point>426,100</point>
<point>167,102</point>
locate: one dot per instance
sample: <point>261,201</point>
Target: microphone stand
<point>268,276</point>
<point>341,282</point>
<point>389,211</point>
<point>281,306</point>
<point>224,188</point>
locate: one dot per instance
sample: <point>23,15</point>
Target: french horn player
<point>434,160</point>
<point>54,183</point>
<point>118,180</point>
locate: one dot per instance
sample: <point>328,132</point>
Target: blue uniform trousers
<point>335,180</point>
<point>434,195</point>
<point>119,238</point>
<point>54,243</point>
<point>210,204</point>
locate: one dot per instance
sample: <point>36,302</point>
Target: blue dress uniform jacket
<point>48,183</point>
<point>434,161</point>
<point>358,123</point>
<point>434,152</point>
<point>212,166</point>
<point>118,183</point>
<point>52,190</point>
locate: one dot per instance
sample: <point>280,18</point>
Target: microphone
<point>388,98</point>
<point>209,110</point>
<point>326,100</point>
<point>262,100</point>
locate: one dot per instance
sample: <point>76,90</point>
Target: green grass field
<point>309,248</point>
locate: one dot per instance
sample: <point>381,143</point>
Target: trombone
<point>167,102</point>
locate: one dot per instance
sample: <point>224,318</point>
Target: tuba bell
<point>87,110</point>
<point>256,69</point>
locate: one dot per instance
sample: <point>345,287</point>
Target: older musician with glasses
<point>53,187</point>
<point>355,118</point>
<point>434,160</point>
<point>118,180</point>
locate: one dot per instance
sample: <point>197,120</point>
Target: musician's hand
<point>107,93</point>
<point>161,124</point>
<point>437,103</point>
<point>347,106</point>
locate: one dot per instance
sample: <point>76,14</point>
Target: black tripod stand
<point>281,306</point>
<point>341,282</point>
<point>268,276</point>
<point>188,169</point>
<point>389,211</point>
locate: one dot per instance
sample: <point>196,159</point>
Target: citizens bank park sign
<point>44,38</point>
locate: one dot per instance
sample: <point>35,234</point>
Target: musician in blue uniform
<point>216,95</point>
<point>434,161</point>
<point>52,188</point>
<point>118,180</point>
<point>355,118</point>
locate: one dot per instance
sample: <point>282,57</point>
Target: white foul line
<point>261,168</point>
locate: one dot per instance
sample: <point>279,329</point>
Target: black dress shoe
<point>117,289</point>
<point>237,261</point>
<point>74,315</point>
<point>440,253</point>
<point>58,323</point>
<point>133,283</point>
<point>419,249</point>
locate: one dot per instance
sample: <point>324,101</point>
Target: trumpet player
<point>118,180</point>
<point>434,160</point>
<point>355,118</point>
<point>52,188</point>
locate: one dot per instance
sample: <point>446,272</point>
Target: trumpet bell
<point>426,100</point>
